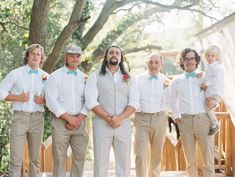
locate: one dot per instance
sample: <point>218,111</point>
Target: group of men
<point>113,96</point>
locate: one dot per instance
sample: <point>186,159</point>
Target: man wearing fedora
<point>65,99</point>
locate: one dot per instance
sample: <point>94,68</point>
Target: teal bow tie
<point>72,72</point>
<point>153,77</point>
<point>32,71</point>
<point>192,75</point>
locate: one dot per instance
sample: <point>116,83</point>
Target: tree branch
<point>145,48</point>
<point>109,7</point>
<point>69,29</point>
<point>179,7</point>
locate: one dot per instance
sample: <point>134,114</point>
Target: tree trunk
<point>38,22</point>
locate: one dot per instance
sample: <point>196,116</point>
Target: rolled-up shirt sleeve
<point>51,93</point>
<point>134,95</point>
<point>91,91</point>
<point>84,110</point>
<point>174,101</point>
<point>6,85</point>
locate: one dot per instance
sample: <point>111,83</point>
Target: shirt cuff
<point>134,106</point>
<point>176,116</point>
<point>84,111</point>
<point>92,105</point>
<point>59,113</point>
<point>3,95</point>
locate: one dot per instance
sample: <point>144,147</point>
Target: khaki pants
<point>211,113</point>
<point>195,128</point>
<point>24,126</point>
<point>61,139</point>
<point>150,130</point>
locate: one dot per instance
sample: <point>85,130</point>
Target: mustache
<point>113,58</point>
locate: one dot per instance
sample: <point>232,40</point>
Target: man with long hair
<point>187,104</point>
<point>113,96</point>
<point>24,88</point>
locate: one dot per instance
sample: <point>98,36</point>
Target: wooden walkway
<point>112,174</point>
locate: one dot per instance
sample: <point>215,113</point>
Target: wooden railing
<point>173,156</point>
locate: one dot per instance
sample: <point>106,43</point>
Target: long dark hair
<point>105,62</point>
<point>182,55</point>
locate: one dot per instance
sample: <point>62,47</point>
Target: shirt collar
<point>147,74</point>
<point>28,68</point>
<point>117,72</point>
<point>66,69</point>
<point>213,64</point>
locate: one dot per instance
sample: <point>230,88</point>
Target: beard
<point>113,61</point>
<point>75,65</point>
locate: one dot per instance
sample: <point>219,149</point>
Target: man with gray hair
<point>24,88</point>
<point>65,99</point>
<point>150,120</point>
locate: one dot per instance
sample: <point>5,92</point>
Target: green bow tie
<point>192,75</point>
<point>72,72</point>
<point>32,71</point>
<point>153,77</point>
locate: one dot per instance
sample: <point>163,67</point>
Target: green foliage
<point>5,159</point>
<point>15,17</point>
<point>171,67</point>
<point>5,121</point>
<point>47,125</point>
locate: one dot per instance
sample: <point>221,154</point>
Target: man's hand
<point>23,97</point>
<point>203,86</point>
<point>115,122</point>
<point>79,118</point>
<point>178,121</point>
<point>211,103</point>
<point>108,119</point>
<point>39,99</point>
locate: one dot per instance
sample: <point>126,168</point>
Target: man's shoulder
<point>141,75</point>
<point>178,77</point>
<point>95,73</point>
<point>43,72</point>
<point>57,72</point>
<point>18,70</point>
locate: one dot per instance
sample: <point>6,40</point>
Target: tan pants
<point>150,130</point>
<point>24,126</point>
<point>211,113</point>
<point>195,128</point>
<point>61,139</point>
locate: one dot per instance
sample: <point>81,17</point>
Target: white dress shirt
<point>92,90</point>
<point>186,96</point>
<point>65,92</point>
<point>214,78</point>
<point>19,81</point>
<point>153,95</point>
